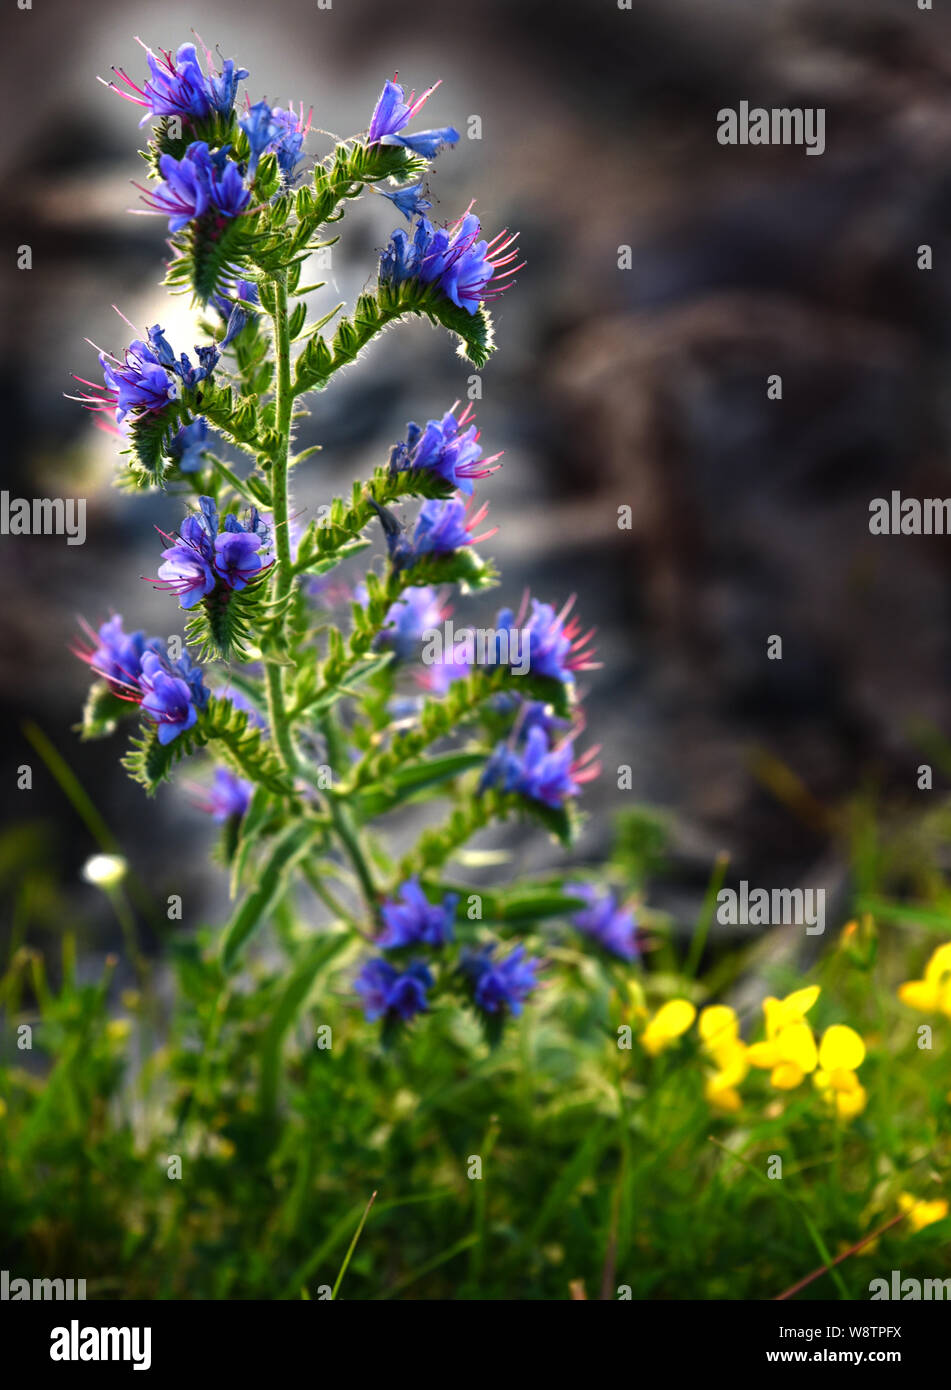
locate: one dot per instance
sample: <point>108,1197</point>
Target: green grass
<point>598,1164</point>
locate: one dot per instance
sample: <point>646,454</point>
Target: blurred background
<point>643,387</point>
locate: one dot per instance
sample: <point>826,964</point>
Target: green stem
<point>284,401</point>
<point>343,824</point>
<point>233,479</point>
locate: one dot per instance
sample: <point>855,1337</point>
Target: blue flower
<point>416,920</point>
<point>186,574</point>
<point>228,796</point>
<point>139,669</point>
<point>408,200</point>
<point>167,699</point>
<point>184,193</point>
<point>178,86</point>
<point>439,675</point>
<point>536,714</point>
<point>139,382</point>
<point>449,448</point>
<point>287,143</point>
<point>222,88</point>
<point>226,188</point>
<point>116,656</point>
<point>539,770</point>
<point>392,113</point>
<point>415,612</point>
<point>196,183</point>
<point>260,130</point>
<point>236,558</point>
<point>502,984</point>
<point>392,994</point>
<point>441,528</point>
<point>278,132</point>
<point>201,556</point>
<point>231,299</point>
<point>182,366</point>
<point>189,671</point>
<point>453,260</point>
<point>188,444</point>
<point>556,648</point>
<point>605,920</point>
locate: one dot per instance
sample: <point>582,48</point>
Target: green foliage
<point>599,1165</point>
<point>222,724</point>
<point>290,847</point>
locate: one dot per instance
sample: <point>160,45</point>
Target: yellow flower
<point>719,1028</point>
<point>921,1213</point>
<point>732,1066</point>
<point>670,1021</point>
<point>118,1029</point>
<point>788,1056</point>
<point>933,993</point>
<point>841,1052</point>
<point>789,1051</point>
<point>793,1009</point>
<point>841,1047</point>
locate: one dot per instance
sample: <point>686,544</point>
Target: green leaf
<point>463,567</point>
<point>252,826</point>
<point>315,958</point>
<point>517,904</point>
<point>242,745</point>
<point>409,782</point>
<point>318,698</point>
<point>289,848</point>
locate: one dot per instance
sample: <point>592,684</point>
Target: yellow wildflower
<point>789,1051</point>
<point>921,1213</point>
<point>670,1021</point>
<point>933,993</point>
<point>719,1030</point>
<point>841,1053</point>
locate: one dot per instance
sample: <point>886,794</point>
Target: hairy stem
<point>277,708</point>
